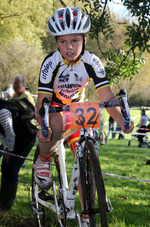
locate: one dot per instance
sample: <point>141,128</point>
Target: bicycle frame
<point>69,196</point>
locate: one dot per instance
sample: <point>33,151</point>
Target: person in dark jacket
<point>17,137</point>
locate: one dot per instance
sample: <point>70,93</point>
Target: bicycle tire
<point>94,185</point>
<point>44,217</point>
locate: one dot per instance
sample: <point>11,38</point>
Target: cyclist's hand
<point>42,138</point>
<point>130,129</point>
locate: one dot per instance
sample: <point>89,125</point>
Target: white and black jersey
<point>66,81</point>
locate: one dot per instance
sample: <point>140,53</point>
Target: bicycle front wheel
<point>94,186</point>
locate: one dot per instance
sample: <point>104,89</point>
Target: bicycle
<point>60,198</point>
<point>146,142</point>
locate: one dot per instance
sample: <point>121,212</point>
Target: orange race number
<point>84,114</point>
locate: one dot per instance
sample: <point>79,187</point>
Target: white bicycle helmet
<point>69,20</point>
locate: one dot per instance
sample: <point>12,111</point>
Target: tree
<point>24,19</point>
<point>23,28</point>
<point>24,39</point>
<point>19,58</point>
<point>127,62</point>
<point>121,53</point>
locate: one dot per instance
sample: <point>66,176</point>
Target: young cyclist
<point>64,75</point>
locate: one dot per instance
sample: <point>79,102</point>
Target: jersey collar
<point>75,62</point>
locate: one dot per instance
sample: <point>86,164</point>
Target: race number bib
<point>84,114</point>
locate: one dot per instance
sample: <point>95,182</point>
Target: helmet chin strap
<point>83,45</point>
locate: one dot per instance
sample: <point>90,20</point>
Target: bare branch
<point>7,16</point>
<point>99,47</point>
<point>74,3</point>
<point>62,3</point>
<point>102,16</point>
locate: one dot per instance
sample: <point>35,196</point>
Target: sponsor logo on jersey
<point>45,69</point>
<point>65,78</point>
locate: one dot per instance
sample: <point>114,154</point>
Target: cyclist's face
<point>70,46</point>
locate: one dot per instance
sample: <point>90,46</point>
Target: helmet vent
<point>68,18</point>
<point>57,27</point>
<point>53,19</point>
<point>74,12</point>
<point>74,22</point>
<point>51,28</point>
<point>60,13</point>
<point>86,24</point>
<point>62,24</point>
<point>79,25</point>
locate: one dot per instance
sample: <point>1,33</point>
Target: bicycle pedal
<point>109,207</point>
<point>35,209</point>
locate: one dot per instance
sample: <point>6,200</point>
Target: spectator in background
<point>19,86</point>
<point>111,127</point>
<point>143,124</point>
<point>17,136</point>
<point>121,136</point>
<point>9,92</point>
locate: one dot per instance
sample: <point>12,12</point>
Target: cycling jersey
<point>66,81</point>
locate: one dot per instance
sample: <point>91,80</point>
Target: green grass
<point>130,198</point>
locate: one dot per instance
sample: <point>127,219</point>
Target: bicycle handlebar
<point>46,109</point>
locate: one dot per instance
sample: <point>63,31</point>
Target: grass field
<point>130,198</point>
